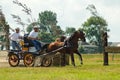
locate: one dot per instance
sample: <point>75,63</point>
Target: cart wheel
<point>13,60</point>
<point>28,60</point>
<point>47,61</point>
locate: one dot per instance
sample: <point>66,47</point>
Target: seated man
<point>33,36</point>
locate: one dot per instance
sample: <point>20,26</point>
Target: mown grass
<point>92,69</point>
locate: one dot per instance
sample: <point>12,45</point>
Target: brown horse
<point>70,45</point>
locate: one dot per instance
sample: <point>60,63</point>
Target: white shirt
<point>14,36</point>
<point>33,34</point>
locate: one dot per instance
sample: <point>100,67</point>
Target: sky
<point>70,13</point>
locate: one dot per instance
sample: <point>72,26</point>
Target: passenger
<point>33,36</point>
<point>14,37</point>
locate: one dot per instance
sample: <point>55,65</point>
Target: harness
<point>68,43</point>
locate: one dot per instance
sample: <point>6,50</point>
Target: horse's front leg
<point>72,59</point>
<point>80,56</point>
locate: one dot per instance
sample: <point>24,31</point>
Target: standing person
<point>33,36</point>
<point>15,38</point>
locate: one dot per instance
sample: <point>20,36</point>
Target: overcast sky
<point>70,13</point>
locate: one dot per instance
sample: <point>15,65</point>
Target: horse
<point>69,46</point>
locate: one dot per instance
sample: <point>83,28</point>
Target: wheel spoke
<point>29,60</point>
<point>13,60</point>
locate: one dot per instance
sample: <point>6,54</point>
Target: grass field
<point>92,69</point>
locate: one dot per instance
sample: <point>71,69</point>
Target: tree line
<point>49,30</point>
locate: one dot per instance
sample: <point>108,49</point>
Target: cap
<point>35,27</point>
<point>17,28</point>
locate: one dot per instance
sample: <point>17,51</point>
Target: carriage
<point>27,54</point>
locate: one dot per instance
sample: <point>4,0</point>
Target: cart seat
<point>27,42</point>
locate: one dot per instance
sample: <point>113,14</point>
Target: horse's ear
<point>80,31</point>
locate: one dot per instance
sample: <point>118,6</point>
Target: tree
<point>48,21</point>
<point>46,37</point>
<point>2,39</point>
<point>4,28</point>
<point>26,10</point>
<point>70,30</point>
<point>94,27</point>
<point>48,18</point>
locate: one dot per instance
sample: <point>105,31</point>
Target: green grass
<point>92,69</point>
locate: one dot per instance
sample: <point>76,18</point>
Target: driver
<point>33,36</point>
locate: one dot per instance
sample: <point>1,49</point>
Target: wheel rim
<point>13,60</point>
<point>47,61</point>
<point>29,60</point>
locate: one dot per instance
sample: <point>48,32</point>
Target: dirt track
<point>3,59</point>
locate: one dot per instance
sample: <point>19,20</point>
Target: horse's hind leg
<point>80,56</point>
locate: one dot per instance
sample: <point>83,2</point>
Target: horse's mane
<point>72,36</point>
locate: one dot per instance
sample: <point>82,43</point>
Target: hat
<point>17,28</point>
<point>35,27</point>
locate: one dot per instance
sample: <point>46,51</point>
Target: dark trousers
<point>37,44</point>
<point>15,45</point>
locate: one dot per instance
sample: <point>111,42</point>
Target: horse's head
<point>80,34</point>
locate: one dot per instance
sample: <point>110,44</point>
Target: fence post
<point>105,44</point>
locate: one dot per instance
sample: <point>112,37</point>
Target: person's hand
<point>37,38</point>
<point>20,37</point>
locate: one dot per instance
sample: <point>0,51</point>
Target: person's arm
<point>11,35</point>
<point>38,38</point>
<point>20,36</point>
<point>29,37</point>
<point>32,36</point>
